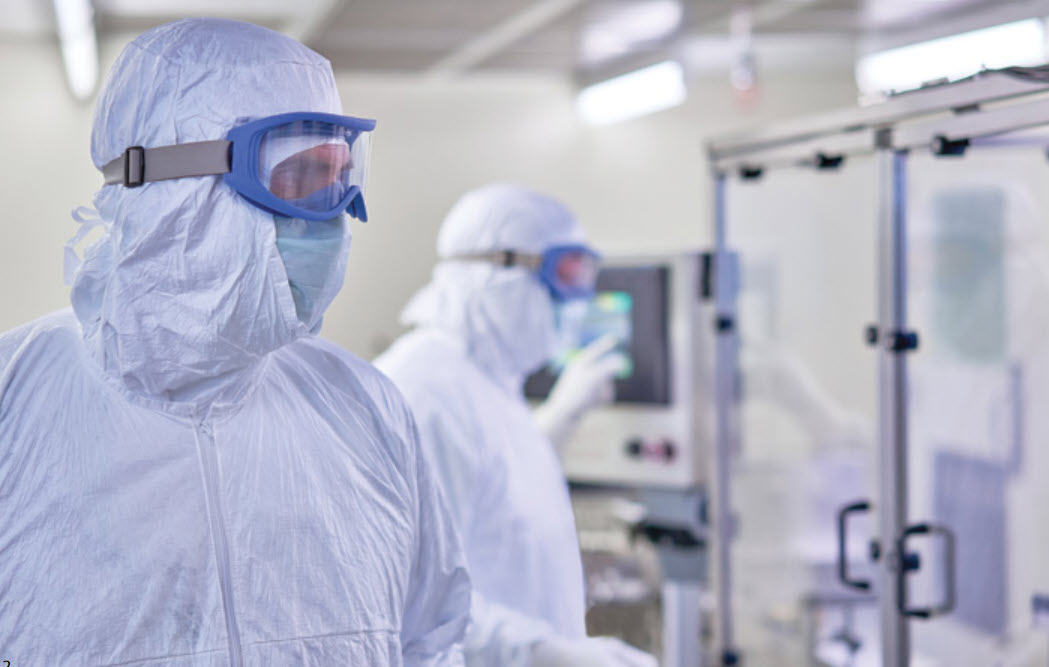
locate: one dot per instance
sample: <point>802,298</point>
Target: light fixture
<point>954,57</point>
<point>634,94</point>
<point>743,74</point>
<point>76,34</point>
<point>629,27</point>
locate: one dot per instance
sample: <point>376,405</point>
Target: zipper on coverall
<point>209,462</point>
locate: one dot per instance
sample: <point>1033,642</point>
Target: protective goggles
<point>299,165</point>
<point>568,271</point>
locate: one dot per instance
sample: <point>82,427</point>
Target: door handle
<point>843,541</point>
<point>908,565</point>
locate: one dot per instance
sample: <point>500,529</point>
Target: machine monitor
<point>653,435</point>
<point>631,304</point>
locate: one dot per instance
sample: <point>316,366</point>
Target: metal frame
<point>946,119</point>
<point>726,430</point>
<point>892,399</point>
<point>985,88</point>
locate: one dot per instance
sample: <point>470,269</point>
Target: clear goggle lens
<point>575,270</point>
<point>315,165</point>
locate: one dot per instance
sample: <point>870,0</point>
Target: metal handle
<point>843,557</point>
<point>908,565</point>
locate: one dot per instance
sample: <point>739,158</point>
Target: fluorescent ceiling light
<point>631,95</point>
<point>76,33</point>
<point>628,27</point>
<point>955,57</point>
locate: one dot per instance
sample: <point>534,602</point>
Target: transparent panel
<point>808,253</point>
<point>313,164</point>
<point>978,235</point>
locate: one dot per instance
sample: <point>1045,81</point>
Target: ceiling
<point>451,37</point>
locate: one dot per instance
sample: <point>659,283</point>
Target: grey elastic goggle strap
<point>144,165</point>
<point>504,258</point>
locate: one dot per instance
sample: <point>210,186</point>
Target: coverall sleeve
<point>438,597</point>
<point>498,635</point>
<point>501,636</point>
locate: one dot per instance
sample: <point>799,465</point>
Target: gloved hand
<point>585,383</point>
<point>589,652</point>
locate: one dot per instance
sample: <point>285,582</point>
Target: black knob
<point>669,451</point>
<point>872,335</point>
<point>634,447</point>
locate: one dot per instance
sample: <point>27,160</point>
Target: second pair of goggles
<point>300,165</point>
<point>568,271</point>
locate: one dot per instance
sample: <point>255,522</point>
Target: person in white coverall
<point>188,475</point>
<point>492,314</point>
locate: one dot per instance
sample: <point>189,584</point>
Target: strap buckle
<point>134,166</point>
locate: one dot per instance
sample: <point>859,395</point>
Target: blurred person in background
<point>514,279</point>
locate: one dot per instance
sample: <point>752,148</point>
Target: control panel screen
<point>632,304</point>
<point>608,314</point>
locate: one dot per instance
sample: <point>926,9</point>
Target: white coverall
<point>189,476</point>
<point>481,329</point>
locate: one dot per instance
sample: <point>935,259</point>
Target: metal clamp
<point>895,341</point>
<point>825,162</point>
<point>751,172</point>
<point>871,334</point>
<point>943,147</point>
<point>908,565</point>
<point>903,341</point>
<point>724,324</point>
<point>843,557</point>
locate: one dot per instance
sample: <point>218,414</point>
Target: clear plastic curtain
<point>978,260</point>
<point>808,252</point>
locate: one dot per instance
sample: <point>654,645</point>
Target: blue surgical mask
<point>314,258</point>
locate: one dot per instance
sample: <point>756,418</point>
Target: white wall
<point>641,184</point>
<point>45,171</point>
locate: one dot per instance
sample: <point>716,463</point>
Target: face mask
<point>312,251</point>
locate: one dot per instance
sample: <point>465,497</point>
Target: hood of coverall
<point>186,292</point>
<point>504,316</point>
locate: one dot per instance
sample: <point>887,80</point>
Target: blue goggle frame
<point>545,267</point>
<point>243,175</point>
<point>236,158</point>
<point>548,272</point>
